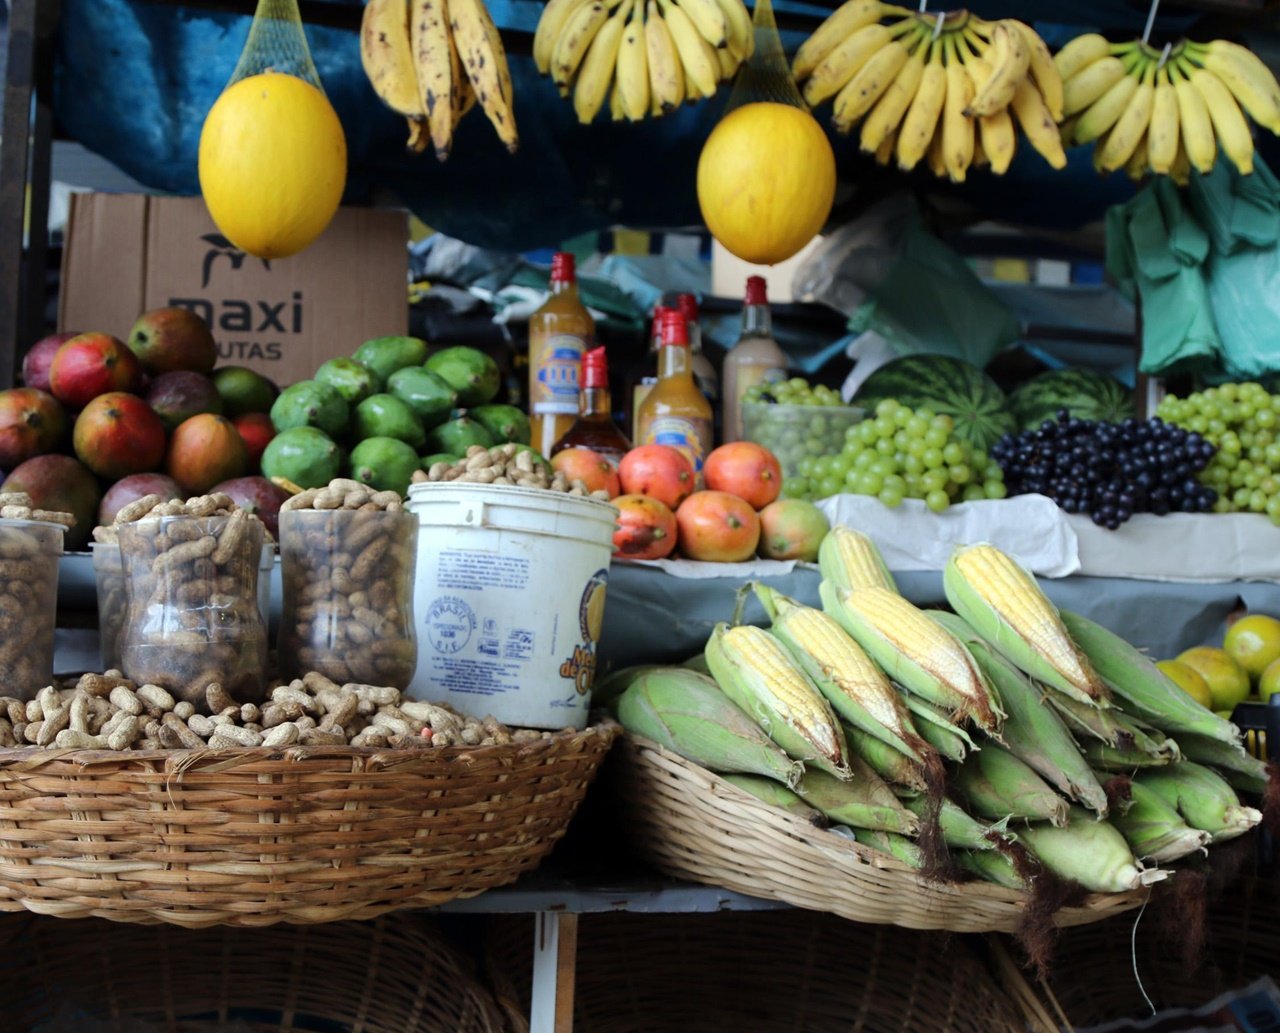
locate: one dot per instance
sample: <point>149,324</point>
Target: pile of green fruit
<point>796,391</point>
<point>794,419</point>
<point>396,408</point>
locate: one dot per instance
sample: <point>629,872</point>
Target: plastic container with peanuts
<point>29,554</point>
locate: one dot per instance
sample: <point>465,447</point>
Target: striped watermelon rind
<point>1084,393</point>
<point>948,386</point>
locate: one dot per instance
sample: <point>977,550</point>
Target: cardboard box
<point>128,253</point>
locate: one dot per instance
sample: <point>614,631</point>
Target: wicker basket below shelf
<point>304,834</point>
<point>693,825</point>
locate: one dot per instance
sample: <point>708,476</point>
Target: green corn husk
<point>991,609</point>
<point>1154,830</point>
<point>778,696</point>
<point>1144,689</point>
<point>1122,759</point>
<point>1203,797</point>
<point>885,761</point>
<point>938,730</point>
<point>959,827</point>
<point>849,558</point>
<point>1033,732</point>
<point>688,714</point>
<point>605,692</point>
<point>775,794</point>
<point>1090,852</point>
<point>905,850</point>
<point>1109,726</point>
<point>993,866</point>
<point>1237,765</point>
<point>697,662</point>
<point>996,784</point>
<point>858,690</point>
<point>864,802</point>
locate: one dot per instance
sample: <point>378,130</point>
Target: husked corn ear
<point>1154,830</point>
<point>916,652</point>
<point>1088,851</point>
<point>863,802</point>
<point>960,828</point>
<point>1203,797</point>
<point>1003,604</point>
<point>1143,688</point>
<point>938,730</point>
<point>849,679</point>
<point>686,712</point>
<point>775,794</point>
<point>996,784</point>
<point>849,559</point>
<point>758,674</point>
<point>992,865</point>
<point>1242,770</point>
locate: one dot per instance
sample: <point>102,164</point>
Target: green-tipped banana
<point>1154,830</point>
<point>944,735</point>
<point>960,828</point>
<point>865,802</point>
<point>849,559</point>
<point>1089,852</point>
<point>996,784</point>
<point>775,794</point>
<point>1203,798</point>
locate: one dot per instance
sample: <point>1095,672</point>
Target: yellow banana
<point>387,55</point>
<point>464,97</point>
<point>1198,142</point>
<point>1106,110</point>
<point>843,63</point>
<point>419,136</point>
<point>576,37</point>
<point>1131,126</point>
<point>934,157</point>
<point>485,62</point>
<point>1037,124</point>
<point>884,153</point>
<point>957,127</point>
<point>883,121</point>
<point>1162,134</point>
<point>596,72</point>
<point>435,58</point>
<point>1228,120</point>
<point>741,33</point>
<point>708,19</point>
<point>869,85</point>
<point>1079,53</point>
<point>1009,59</point>
<point>666,75</point>
<point>995,132</point>
<point>729,64</point>
<point>1181,171</point>
<point>1245,75</point>
<point>921,120</point>
<point>550,27</point>
<point>980,159</point>
<point>616,111</point>
<point>1140,160</point>
<point>633,67</point>
<point>1044,73</point>
<point>842,23</point>
<point>1087,86</point>
<point>700,67</point>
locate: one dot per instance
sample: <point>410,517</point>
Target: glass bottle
<point>642,386</point>
<point>754,359</point>
<point>675,412</point>
<point>704,370</point>
<point>594,427</point>
<point>559,333</point>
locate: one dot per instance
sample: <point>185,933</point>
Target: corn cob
<point>1203,798</point>
<point>885,761</point>
<point>688,714</point>
<point>1145,690</point>
<point>914,651</point>
<point>905,850</point>
<point>1033,732</point>
<point>844,674</point>
<point>1089,852</point>
<point>1110,726</point>
<point>607,689</point>
<point>996,784</point>
<point>939,731</point>
<point>775,794</point>
<point>1005,605</point>
<point>959,827</point>
<point>864,802</point>
<point>755,671</point>
<point>991,865</point>
<point>1123,758</point>
<point>849,559</point>
<point>1154,830</point>
<point>697,662</point>
<point>1244,771</point>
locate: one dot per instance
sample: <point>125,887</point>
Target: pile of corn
<point>855,713</point>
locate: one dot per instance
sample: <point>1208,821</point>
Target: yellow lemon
<point>1189,681</point>
<point>1226,679</point>
<point>1253,642</point>
<point>273,164</point>
<point>1269,683</point>
<point>766,181</point>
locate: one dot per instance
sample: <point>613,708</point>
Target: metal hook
<point>1164,56</point>
<point>1151,21</point>
<point>937,26</point>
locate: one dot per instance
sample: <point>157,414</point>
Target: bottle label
<point>558,365</point>
<point>689,434</point>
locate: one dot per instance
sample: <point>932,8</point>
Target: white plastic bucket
<point>509,600</point>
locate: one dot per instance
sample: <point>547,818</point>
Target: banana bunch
<point>1150,111</point>
<point>432,61</point>
<point>946,89</point>
<point>646,57</point>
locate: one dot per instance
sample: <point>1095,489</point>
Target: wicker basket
<point>693,825</point>
<point>763,972</point>
<point>387,976</point>
<point>256,836</point>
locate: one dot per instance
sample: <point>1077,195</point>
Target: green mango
<point>439,457</point>
<point>425,393</point>
<point>473,374</point>
<point>504,422</point>
<point>458,435</point>
<point>305,455</point>
<point>309,403</point>
<point>351,380</point>
<point>386,464</point>
<point>386,416</point>
<point>384,355</point>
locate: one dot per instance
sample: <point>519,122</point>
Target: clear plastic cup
<point>29,554</point>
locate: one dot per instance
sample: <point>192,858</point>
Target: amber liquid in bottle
<point>756,357</point>
<point>559,333</point>
<point>675,412</point>
<point>594,427</point>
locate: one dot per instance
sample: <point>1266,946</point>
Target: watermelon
<point>946,385</point>
<point>1084,393</point>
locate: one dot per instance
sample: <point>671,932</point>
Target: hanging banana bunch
<point>432,61</point>
<point>1165,112</point>
<point>947,89</point>
<point>645,57</point>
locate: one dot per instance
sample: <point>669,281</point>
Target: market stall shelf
<point>693,825</point>
<point>255,836</point>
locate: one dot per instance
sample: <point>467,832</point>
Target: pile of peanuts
<point>109,712</point>
<point>16,505</point>
<point>505,464</point>
<point>28,589</point>
<point>344,493</point>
